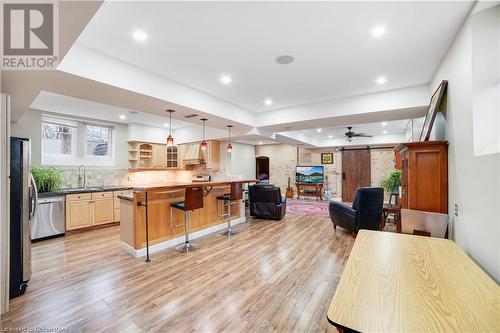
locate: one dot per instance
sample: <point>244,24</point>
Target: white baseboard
<point>179,240</point>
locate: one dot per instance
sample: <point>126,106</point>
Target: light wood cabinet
<point>190,154</point>
<point>159,156</point>
<point>172,157</point>
<point>181,155</point>
<point>88,209</point>
<point>150,156</point>
<point>116,204</point>
<point>78,214</point>
<point>212,155</point>
<point>102,208</point>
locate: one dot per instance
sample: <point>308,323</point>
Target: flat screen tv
<point>309,174</point>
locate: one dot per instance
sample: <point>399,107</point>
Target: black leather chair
<point>365,211</point>
<point>266,202</point>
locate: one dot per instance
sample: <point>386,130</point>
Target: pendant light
<point>170,139</point>
<point>229,146</point>
<point>204,144</point>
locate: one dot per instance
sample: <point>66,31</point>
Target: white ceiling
<point>391,127</point>
<point>77,107</point>
<point>193,43</point>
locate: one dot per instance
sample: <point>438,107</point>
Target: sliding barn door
<point>356,172</point>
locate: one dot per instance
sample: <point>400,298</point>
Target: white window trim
<point>78,141</point>
<point>108,160</point>
<point>111,143</point>
<point>60,159</point>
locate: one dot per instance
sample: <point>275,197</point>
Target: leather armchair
<point>365,211</point>
<point>266,202</point>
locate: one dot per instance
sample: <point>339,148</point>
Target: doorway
<point>262,168</point>
<point>356,172</point>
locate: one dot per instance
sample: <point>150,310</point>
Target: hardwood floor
<point>271,276</point>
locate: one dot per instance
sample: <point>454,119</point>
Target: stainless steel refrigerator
<point>23,203</point>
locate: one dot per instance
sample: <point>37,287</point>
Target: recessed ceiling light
<point>284,60</point>
<point>378,31</point>
<point>268,101</point>
<point>318,130</point>
<point>140,35</point>
<point>385,132</point>
<point>226,79</point>
<point>260,142</point>
<point>384,123</point>
<point>381,80</point>
<point>122,116</point>
<point>330,136</point>
<point>165,124</point>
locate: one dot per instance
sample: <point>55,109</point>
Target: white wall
<point>474,181</point>
<point>99,67</point>
<point>241,161</point>
<point>485,27</point>
<point>30,126</point>
<point>368,104</point>
<point>138,132</point>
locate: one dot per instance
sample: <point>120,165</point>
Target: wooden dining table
<point>405,283</point>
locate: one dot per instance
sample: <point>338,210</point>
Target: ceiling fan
<point>350,134</point>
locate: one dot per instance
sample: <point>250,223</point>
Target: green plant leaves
<point>392,180</point>
<point>47,179</point>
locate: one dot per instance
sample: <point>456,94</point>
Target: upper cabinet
<point>172,157</point>
<point>211,156</point>
<point>190,155</point>
<point>148,156</point>
<point>159,158</point>
<point>155,156</point>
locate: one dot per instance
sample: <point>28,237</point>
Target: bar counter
<point>165,225</point>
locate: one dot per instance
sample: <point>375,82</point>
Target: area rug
<point>309,207</point>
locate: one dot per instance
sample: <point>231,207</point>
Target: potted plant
<point>392,181</point>
<point>47,179</point>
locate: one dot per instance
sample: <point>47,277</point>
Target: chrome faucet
<point>80,177</point>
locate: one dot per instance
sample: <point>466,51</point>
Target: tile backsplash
<point>95,177</point>
<point>113,177</point>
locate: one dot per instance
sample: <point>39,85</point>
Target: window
<point>98,141</point>
<point>58,140</point>
<point>74,142</point>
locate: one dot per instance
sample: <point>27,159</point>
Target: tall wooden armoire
<point>424,179</point>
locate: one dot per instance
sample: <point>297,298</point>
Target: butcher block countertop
<point>175,185</point>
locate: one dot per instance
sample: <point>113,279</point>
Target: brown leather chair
<point>266,202</point>
<point>235,194</point>
<point>193,199</point>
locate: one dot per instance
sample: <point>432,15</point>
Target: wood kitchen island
<point>166,225</point>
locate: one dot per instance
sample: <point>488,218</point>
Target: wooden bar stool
<point>235,194</point>
<point>193,199</point>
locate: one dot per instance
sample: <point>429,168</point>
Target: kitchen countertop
<point>140,188</point>
<point>173,185</point>
<point>66,191</point>
<point>127,197</point>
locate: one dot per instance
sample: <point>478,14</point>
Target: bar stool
<point>193,199</point>
<point>235,194</point>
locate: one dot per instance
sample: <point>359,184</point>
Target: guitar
<point>327,193</point>
<point>289,190</point>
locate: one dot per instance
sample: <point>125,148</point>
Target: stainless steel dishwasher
<point>50,219</point>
